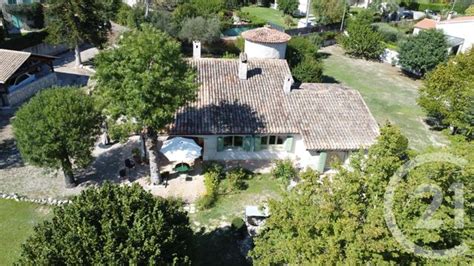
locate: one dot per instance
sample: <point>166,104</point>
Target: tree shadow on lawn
<point>218,247</point>
<point>329,79</point>
<point>323,55</point>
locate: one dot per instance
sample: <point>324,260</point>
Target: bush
<point>298,49</point>
<point>389,33</point>
<point>437,7</point>
<point>213,167</point>
<point>423,52</point>
<point>211,182</point>
<point>310,70</point>
<point>284,170</point>
<point>206,8</point>
<point>469,11</point>
<point>123,14</point>
<point>239,227</point>
<point>362,41</point>
<point>236,178</point>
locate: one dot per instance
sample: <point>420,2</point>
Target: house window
<point>12,2</point>
<point>233,142</point>
<point>272,141</point>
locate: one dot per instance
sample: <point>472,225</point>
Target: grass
<point>16,224</point>
<point>228,206</point>
<point>268,14</point>
<point>390,95</point>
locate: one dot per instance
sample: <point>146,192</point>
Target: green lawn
<point>231,205</point>
<point>16,224</point>
<point>389,94</point>
<point>268,15</point>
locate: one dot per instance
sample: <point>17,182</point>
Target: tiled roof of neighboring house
<point>458,19</point>
<point>328,116</point>
<point>10,61</point>
<point>266,35</point>
<point>426,24</point>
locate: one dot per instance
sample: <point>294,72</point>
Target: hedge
<point>437,7</point>
<point>24,41</point>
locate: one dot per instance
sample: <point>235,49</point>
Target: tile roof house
<point>459,31</point>
<point>250,110</point>
<point>22,74</point>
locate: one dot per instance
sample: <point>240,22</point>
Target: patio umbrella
<point>181,149</point>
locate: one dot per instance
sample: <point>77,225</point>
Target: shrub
<point>299,48</point>
<point>239,227</point>
<point>469,11</point>
<point>309,70</point>
<point>389,33</point>
<point>211,182</point>
<point>236,178</point>
<point>122,14</point>
<point>423,52</point>
<point>362,41</point>
<point>437,7</point>
<point>213,167</point>
<point>284,170</point>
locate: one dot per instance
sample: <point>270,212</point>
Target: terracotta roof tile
<point>266,35</point>
<point>426,24</point>
<point>328,116</point>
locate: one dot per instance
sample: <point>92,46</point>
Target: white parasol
<point>181,149</point>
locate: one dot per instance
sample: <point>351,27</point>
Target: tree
<point>362,41</point>
<point>342,222</point>
<point>74,22</point>
<point>57,128</point>
<point>288,6</point>
<point>328,11</point>
<point>111,8</point>
<point>447,94</point>
<point>199,28</point>
<point>300,48</point>
<point>142,83</point>
<point>112,225</point>
<point>309,70</point>
<point>423,52</point>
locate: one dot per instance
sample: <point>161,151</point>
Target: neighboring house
<point>251,110</point>
<point>131,2</point>
<point>16,22</point>
<point>459,31</point>
<point>22,74</point>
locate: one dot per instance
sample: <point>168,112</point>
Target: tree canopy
<point>363,40</point>
<point>447,93</point>
<point>75,22</point>
<point>112,225</point>
<point>143,82</point>
<point>328,11</point>
<point>342,221</point>
<point>201,29</point>
<point>423,52</point>
<point>57,128</point>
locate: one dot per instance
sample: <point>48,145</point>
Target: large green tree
<point>363,40</point>
<point>202,29</point>
<point>74,22</point>
<point>328,11</point>
<point>423,52</point>
<point>57,128</point>
<point>447,93</point>
<point>112,225</point>
<point>342,221</point>
<point>142,83</point>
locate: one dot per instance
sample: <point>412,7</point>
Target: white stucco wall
<point>463,30</point>
<point>265,50</point>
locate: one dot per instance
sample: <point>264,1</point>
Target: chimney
<point>243,67</point>
<point>288,84</point>
<point>196,49</point>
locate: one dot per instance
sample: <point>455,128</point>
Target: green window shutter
<point>322,161</point>
<point>220,143</point>
<point>248,143</point>
<point>257,141</point>
<point>289,143</point>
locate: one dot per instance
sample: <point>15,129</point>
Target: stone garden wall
<point>24,93</point>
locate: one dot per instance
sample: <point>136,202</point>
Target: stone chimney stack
<point>196,49</point>
<point>288,84</point>
<point>243,67</point>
